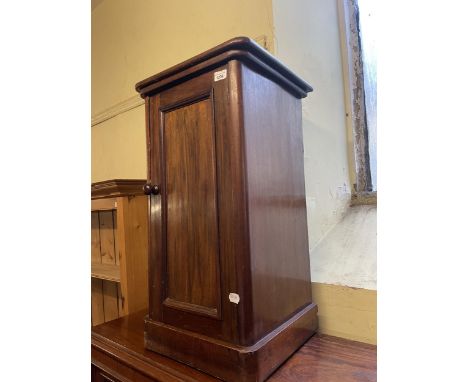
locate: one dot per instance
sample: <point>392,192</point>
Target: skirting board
<point>346,312</point>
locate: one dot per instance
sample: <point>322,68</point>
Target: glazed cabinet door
<point>189,264</point>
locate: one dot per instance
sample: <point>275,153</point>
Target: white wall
<point>307,40</point>
<point>347,255</point>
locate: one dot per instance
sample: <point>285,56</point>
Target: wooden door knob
<point>149,189</point>
<point>155,189</point>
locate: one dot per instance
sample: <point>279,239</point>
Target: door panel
<point>190,158</point>
<point>198,222</point>
<point>192,250</point>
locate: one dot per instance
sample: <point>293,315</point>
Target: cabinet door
<point>191,159</point>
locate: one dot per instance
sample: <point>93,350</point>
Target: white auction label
<point>220,75</point>
<point>234,297</point>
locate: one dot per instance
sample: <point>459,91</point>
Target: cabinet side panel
<point>276,200</point>
<point>134,264</point>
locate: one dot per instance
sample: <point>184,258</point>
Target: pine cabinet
<point>119,249</point>
<point>229,272</point>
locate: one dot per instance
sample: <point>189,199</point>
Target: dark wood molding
<point>241,48</point>
<point>197,309</point>
<point>117,187</point>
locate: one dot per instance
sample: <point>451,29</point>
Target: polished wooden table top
<point>323,358</point>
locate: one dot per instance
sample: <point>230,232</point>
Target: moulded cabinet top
<point>240,48</point>
<point>117,187</point>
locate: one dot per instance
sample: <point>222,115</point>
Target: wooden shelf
<point>104,204</point>
<point>109,272</point>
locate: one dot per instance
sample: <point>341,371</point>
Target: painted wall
<point>344,275</point>
<point>132,40</point>
<point>346,312</point>
<point>307,40</point>
<point>347,255</point>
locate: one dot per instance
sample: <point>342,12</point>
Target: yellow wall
<point>132,40</point>
<point>346,312</point>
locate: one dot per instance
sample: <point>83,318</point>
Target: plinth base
<point>232,362</point>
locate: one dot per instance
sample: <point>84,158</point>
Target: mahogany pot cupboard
<point>229,273</point>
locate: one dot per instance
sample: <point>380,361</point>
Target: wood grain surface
<point>109,272</point>
<point>95,239</point>
<point>97,302</point>
<point>117,348</point>
<point>132,233</point>
<point>330,359</point>
<point>117,187</point>
<point>106,229</point>
<point>119,249</point>
<point>279,250</point>
<point>192,229</point>
<point>191,160</point>
<point>105,270</point>
<point>110,297</point>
